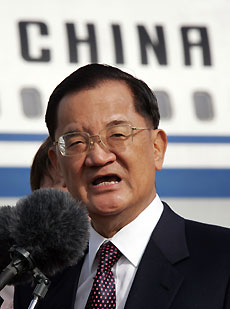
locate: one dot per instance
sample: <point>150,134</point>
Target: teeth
<point>105,183</point>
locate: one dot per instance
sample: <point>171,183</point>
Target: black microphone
<point>7,220</point>
<point>49,230</point>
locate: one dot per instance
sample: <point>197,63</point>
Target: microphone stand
<point>23,262</point>
<point>41,288</point>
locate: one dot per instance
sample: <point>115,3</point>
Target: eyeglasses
<point>113,138</point>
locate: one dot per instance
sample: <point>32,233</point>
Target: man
<point>104,125</point>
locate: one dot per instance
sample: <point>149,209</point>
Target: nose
<point>96,139</point>
<point>98,154</point>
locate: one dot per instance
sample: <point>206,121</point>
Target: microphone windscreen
<point>7,220</point>
<point>53,227</point>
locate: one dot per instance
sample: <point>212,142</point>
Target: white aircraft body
<point>180,48</point>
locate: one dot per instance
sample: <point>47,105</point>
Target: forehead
<point>96,107</point>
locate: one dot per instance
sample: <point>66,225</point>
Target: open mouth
<point>106,180</point>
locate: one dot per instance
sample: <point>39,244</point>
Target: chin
<point>106,209</point>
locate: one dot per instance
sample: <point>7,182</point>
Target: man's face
<point>118,183</point>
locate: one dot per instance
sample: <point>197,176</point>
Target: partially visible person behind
<point>42,175</point>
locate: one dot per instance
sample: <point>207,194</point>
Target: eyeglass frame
<point>90,138</point>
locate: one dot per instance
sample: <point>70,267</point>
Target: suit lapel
<point>76,273</point>
<point>157,280</point>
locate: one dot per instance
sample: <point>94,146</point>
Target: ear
<point>55,164</point>
<point>53,157</point>
<point>160,145</point>
<point>54,160</point>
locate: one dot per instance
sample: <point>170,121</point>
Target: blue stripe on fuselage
<point>205,183</point>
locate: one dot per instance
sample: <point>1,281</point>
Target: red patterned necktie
<point>103,293</point>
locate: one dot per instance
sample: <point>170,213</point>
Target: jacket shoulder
<point>206,238</point>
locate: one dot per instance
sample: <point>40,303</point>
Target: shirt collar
<point>137,232</point>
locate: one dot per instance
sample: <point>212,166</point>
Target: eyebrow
<point>72,131</point>
<point>116,122</point>
<point>111,123</point>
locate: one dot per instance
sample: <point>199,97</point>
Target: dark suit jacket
<point>186,265</point>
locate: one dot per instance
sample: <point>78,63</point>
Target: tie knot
<point>109,255</point>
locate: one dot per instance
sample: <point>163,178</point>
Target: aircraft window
<point>31,102</point>
<point>203,105</point>
<point>164,104</point>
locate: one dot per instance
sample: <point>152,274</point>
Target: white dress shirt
<point>131,240</point>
